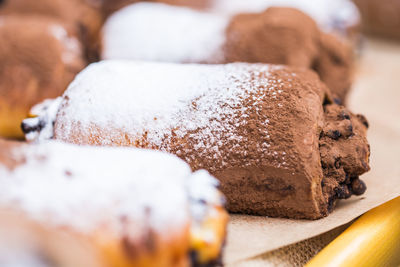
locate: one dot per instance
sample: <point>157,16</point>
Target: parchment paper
<point>376,94</point>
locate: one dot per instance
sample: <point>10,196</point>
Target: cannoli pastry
<point>39,57</point>
<point>278,35</point>
<point>131,207</point>
<point>381,17</point>
<point>270,134</point>
<point>86,19</point>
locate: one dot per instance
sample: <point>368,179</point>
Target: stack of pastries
<point>195,108</point>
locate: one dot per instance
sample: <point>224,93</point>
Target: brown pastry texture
<point>381,18</point>
<point>335,66</point>
<point>288,36</point>
<point>110,6</point>
<point>38,58</point>
<point>80,14</point>
<point>332,16</point>
<point>277,36</point>
<point>271,134</point>
<point>103,199</point>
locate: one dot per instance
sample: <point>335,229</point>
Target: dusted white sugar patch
<point>72,48</point>
<point>156,99</point>
<point>329,14</point>
<point>88,188</point>
<point>158,32</point>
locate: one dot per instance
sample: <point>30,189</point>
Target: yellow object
<point>207,239</point>
<point>10,122</point>
<point>373,240</point>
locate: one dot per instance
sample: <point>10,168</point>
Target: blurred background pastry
<point>380,17</point>
<point>339,16</point>
<point>39,57</point>
<point>132,207</point>
<point>277,35</point>
<point>82,15</point>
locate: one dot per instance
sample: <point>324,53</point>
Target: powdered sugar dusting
<point>88,188</point>
<point>158,100</point>
<point>158,32</point>
<point>72,47</point>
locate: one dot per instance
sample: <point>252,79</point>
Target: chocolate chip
<point>331,203</point>
<point>363,120</point>
<point>334,134</point>
<point>348,131</point>
<point>350,128</point>
<point>342,192</point>
<point>358,187</point>
<point>344,115</point>
<point>347,179</point>
<point>29,127</point>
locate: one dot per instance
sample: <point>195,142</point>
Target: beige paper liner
<point>376,94</point>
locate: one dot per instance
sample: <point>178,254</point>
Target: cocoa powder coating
<point>381,18</point>
<point>110,6</point>
<point>85,19</point>
<point>288,36</point>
